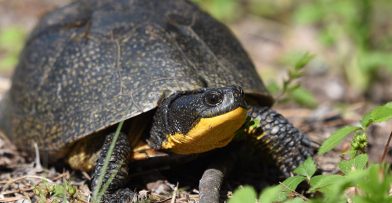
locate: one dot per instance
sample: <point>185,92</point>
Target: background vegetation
<point>349,41</point>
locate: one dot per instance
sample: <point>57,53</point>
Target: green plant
<point>232,10</point>
<point>358,181</point>
<point>224,10</point>
<point>56,192</point>
<point>378,114</point>
<point>291,89</point>
<point>351,28</point>
<point>11,42</point>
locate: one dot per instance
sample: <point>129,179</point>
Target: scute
<point>91,64</point>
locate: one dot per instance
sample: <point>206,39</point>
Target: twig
<point>38,165</point>
<point>384,154</point>
<point>10,199</point>
<point>86,175</point>
<point>164,200</point>
<point>16,191</point>
<point>64,174</point>
<point>173,199</point>
<point>25,177</point>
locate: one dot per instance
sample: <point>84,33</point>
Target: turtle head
<point>198,121</point>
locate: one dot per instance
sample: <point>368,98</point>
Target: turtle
<point>178,78</point>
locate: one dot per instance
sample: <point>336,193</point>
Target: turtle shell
<point>92,64</point>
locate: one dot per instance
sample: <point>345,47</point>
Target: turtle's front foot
<point>286,144</point>
<point>212,179</point>
<point>116,172</point>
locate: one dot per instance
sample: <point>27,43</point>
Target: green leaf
<point>303,97</point>
<point>375,185</point>
<point>59,190</point>
<point>356,76</point>
<point>12,38</point>
<point>246,194</point>
<point>327,37</point>
<point>295,74</point>
<point>357,163</point>
<point>377,115</point>
<point>320,182</point>
<point>291,183</point>
<point>370,60</point>
<point>11,42</point>
<point>303,61</point>
<point>308,13</point>
<point>333,186</point>
<point>271,194</point>
<point>307,168</point>
<point>224,10</point>
<point>336,138</point>
<point>273,87</point>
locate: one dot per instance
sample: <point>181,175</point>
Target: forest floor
<point>22,177</point>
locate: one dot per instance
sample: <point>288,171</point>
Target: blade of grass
<point>106,163</point>
<point>106,185</point>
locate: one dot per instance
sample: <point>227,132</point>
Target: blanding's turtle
<point>178,77</point>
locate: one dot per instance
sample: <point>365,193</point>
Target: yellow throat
<point>207,134</point>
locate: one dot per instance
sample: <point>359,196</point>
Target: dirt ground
<point>266,41</point>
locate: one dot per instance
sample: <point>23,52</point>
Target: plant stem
<point>384,154</point>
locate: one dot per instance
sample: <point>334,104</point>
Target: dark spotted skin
<point>118,163</point>
<point>287,146</point>
<point>91,64</point>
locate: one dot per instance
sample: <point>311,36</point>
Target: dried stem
<point>384,154</point>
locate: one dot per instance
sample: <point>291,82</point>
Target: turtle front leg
<point>287,146</point>
<point>118,165</point>
<point>212,179</point>
<point>210,184</point>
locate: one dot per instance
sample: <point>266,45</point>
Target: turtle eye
<point>213,98</point>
